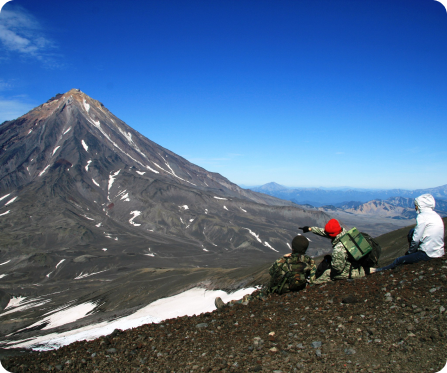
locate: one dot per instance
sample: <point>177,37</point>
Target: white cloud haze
<point>20,32</point>
<point>12,108</point>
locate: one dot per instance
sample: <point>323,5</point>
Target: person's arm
<point>319,231</point>
<point>417,235</point>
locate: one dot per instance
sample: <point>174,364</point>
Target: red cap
<point>333,228</point>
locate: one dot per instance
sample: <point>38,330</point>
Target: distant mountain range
<point>319,197</point>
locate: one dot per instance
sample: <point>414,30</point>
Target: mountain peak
<point>97,174</point>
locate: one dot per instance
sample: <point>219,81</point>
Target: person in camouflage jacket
<point>288,273</point>
<point>292,271</point>
<point>341,267</point>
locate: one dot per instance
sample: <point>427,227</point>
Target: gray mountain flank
<point>93,211</point>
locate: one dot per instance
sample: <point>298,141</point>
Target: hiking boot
<point>218,302</point>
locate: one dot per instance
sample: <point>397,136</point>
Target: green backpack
<point>361,247</point>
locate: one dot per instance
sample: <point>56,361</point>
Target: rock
<point>349,351</point>
<point>202,325</point>
<point>111,350</point>
<point>318,353</point>
<point>350,299</point>
<point>316,344</point>
<point>441,309</point>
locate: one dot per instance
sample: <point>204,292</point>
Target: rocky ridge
<point>393,321</point>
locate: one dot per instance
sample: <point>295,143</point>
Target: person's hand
<point>305,229</point>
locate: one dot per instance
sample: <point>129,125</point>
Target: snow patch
<point>7,212</point>
<point>112,178</point>
<point>67,131</point>
<point>135,214</point>
<point>86,106</point>
<point>221,198</point>
<point>104,249</point>
<point>253,234</point>
<point>1,276</point>
<point>141,173</point>
<point>5,196</point>
<point>242,209</point>
<point>87,217</point>
<point>185,207</point>
<point>225,207</point>
<point>15,301</point>
<point>5,262</point>
<point>88,164</point>
<point>55,149</point>
<point>65,316</point>
<point>95,182</point>
<point>266,244</point>
<point>23,305</point>
<point>98,225</point>
<point>11,201</point>
<point>84,275</point>
<point>57,265</point>
<point>45,169</point>
<point>84,145</point>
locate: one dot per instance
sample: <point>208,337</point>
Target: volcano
<point>77,183</point>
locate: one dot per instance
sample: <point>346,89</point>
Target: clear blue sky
<point>300,92</point>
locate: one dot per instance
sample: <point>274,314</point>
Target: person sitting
<point>341,267</point>
<point>426,240</point>
<point>288,273</point>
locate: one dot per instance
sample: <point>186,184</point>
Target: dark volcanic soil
<point>394,321</point>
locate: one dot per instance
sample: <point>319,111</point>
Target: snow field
<point>188,303</point>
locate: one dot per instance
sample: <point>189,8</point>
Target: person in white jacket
<point>427,241</point>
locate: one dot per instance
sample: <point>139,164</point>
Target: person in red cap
<point>341,267</point>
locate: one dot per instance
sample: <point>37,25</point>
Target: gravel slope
<point>394,321</point>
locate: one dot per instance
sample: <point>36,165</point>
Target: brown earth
<point>392,321</point>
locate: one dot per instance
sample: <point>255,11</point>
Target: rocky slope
<point>392,321</point>
<point>88,205</point>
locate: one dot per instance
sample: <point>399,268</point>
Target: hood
<point>426,201</point>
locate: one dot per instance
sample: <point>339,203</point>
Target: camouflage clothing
<point>341,267</point>
<point>289,273</point>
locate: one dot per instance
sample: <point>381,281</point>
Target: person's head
<point>333,228</point>
<point>425,201</point>
<point>300,245</point>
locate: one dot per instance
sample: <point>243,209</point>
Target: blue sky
<point>303,93</point>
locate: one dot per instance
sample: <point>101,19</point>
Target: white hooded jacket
<point>428,235</point>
